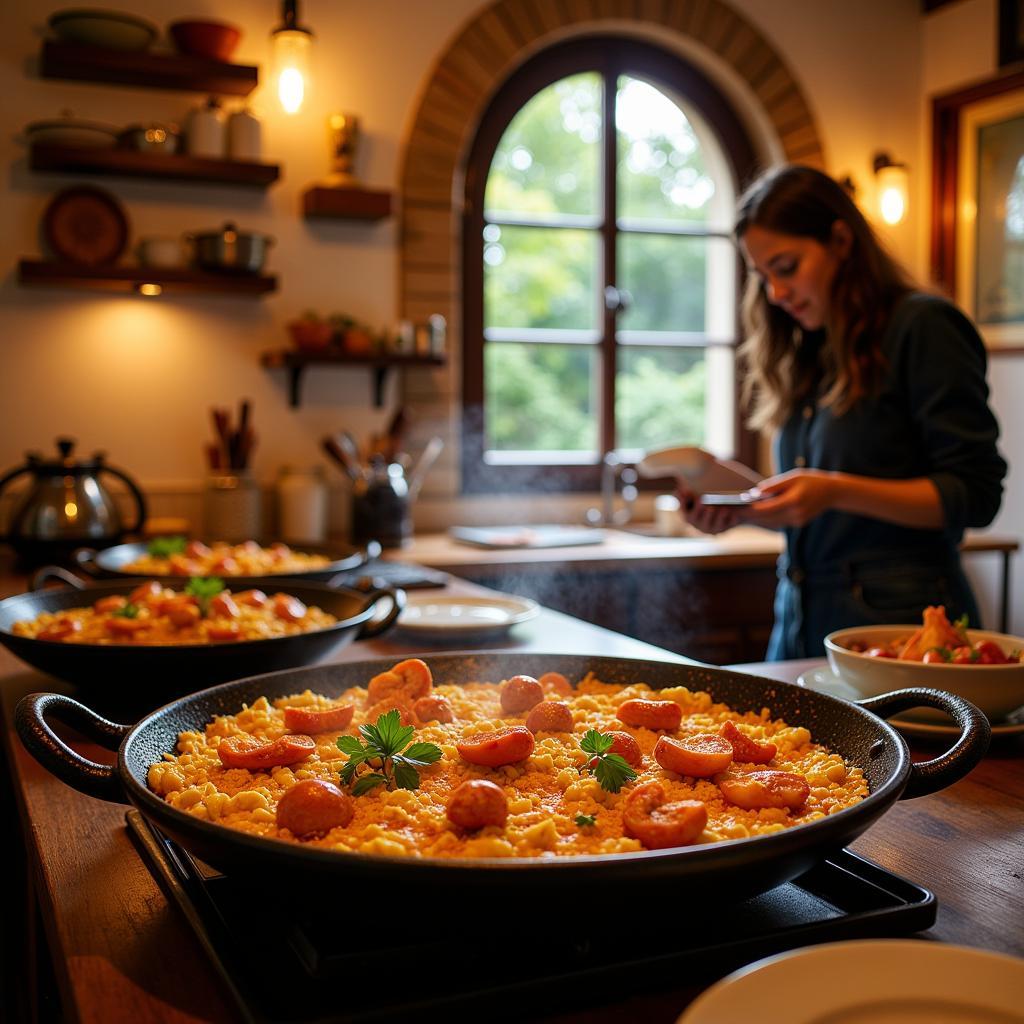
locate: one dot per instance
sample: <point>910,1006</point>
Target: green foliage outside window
<point>547,167</point>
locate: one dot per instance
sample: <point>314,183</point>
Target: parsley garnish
<point>126,611</point>
<point>610,770</point>
<point>944,652</point>
<point>586,820</point>
<point>383,746</point>
<point>163,547</point>
<point>203,589</point>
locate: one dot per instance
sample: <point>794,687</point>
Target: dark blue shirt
<point>929,418</point>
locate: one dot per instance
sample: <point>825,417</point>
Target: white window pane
<point>660,397</point>
<point>677,283</point>
<point>540,277</point>
<point>548,160</point>
<point>662,171</point>
<point>540,397</point>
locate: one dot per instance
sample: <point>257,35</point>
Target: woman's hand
<point>793,498</point>
<point>706,518</point>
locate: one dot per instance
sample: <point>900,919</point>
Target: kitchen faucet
<point>611,470</point>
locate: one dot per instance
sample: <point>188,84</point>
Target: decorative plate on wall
<point>85,225</point>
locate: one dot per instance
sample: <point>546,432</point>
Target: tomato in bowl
<point>986,669</point>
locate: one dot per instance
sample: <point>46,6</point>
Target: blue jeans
<point>876,591</point>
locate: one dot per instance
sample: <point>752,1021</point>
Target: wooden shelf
<point>346,203</point>
<point>131,163</point>
<point>296,363</point>
<point>129,279</point>
<point>152,70</point>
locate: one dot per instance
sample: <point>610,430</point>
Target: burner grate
<point>319,975</point>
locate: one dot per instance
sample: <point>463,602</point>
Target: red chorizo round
<point>476,804</point>
<point>314,807</point>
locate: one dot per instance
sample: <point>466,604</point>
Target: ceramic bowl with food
<point>113,30</point>
<point>214,40</point>
<point>996,689</point>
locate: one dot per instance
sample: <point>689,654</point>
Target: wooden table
<point>119,951</point>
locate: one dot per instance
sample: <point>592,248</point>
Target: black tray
<point>441,972</point>
<point>405,575</point>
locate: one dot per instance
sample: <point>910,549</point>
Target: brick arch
<point>479,59</point>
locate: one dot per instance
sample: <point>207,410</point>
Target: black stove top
<point>305,964</point>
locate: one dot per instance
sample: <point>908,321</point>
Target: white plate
<point>73,132</point>
<point>870,981</point>
<point>699,468</point>
<point>448,617</point>
<point>825,680</point>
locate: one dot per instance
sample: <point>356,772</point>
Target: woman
<point>885,442</point>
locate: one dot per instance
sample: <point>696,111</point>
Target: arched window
<point>600,279</point>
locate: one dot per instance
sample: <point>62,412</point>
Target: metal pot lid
<point>65,464</point>
<point>229,233</point>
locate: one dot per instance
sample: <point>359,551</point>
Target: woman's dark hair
<point>782,362</point>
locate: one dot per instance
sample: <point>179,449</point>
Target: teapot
<point>66,506</point>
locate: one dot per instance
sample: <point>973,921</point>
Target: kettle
<point>66,506</point>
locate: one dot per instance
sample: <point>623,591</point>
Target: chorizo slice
<point>310,722</point>
<point>246,752</point>
<point>650,714</point>
<point>494,749</point>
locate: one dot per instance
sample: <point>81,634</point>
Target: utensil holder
<point>381,509</point>
<point>232,508</point>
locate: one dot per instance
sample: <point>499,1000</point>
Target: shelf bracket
<point>379,376</point>
<point>294,385</point>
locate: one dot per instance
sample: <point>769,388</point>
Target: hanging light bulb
<point>892,188</point>
<point>292,46</point>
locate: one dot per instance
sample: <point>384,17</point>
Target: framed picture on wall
<point>978,205</point>
<point>1011,32</point>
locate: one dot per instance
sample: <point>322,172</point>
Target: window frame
<point>611,57</point>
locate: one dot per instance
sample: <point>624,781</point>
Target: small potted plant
<point>351,336</point>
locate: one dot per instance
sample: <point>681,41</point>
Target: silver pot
<point>230,249</point>
<point>151,138</point>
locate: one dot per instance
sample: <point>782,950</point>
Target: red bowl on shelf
<point>311,335</point>
<point>214,40</point>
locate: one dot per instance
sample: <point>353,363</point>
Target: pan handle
<point>99,780</point>
<point>85,559</point>
<point>961,758</point>
<point>42,576</point>
<point>374,627</point>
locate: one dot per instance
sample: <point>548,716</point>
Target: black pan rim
<point>431,868</point>
<point>116,586</point>
<point>345,558</point>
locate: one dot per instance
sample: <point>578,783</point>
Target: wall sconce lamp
<point>891,178</point>
<point>148,288</point>
<point>292,45</point>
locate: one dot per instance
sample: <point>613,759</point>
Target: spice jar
<point>244,136</point>
<point>204,131</point>
<point>302,505</point>
<point>232,508</point>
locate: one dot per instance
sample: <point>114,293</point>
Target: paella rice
<point>549,802</point>
<point>178,557</point>
<point>203,613</point>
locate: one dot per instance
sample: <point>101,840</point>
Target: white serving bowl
<point>72,131</point>
<point>996,689</point>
